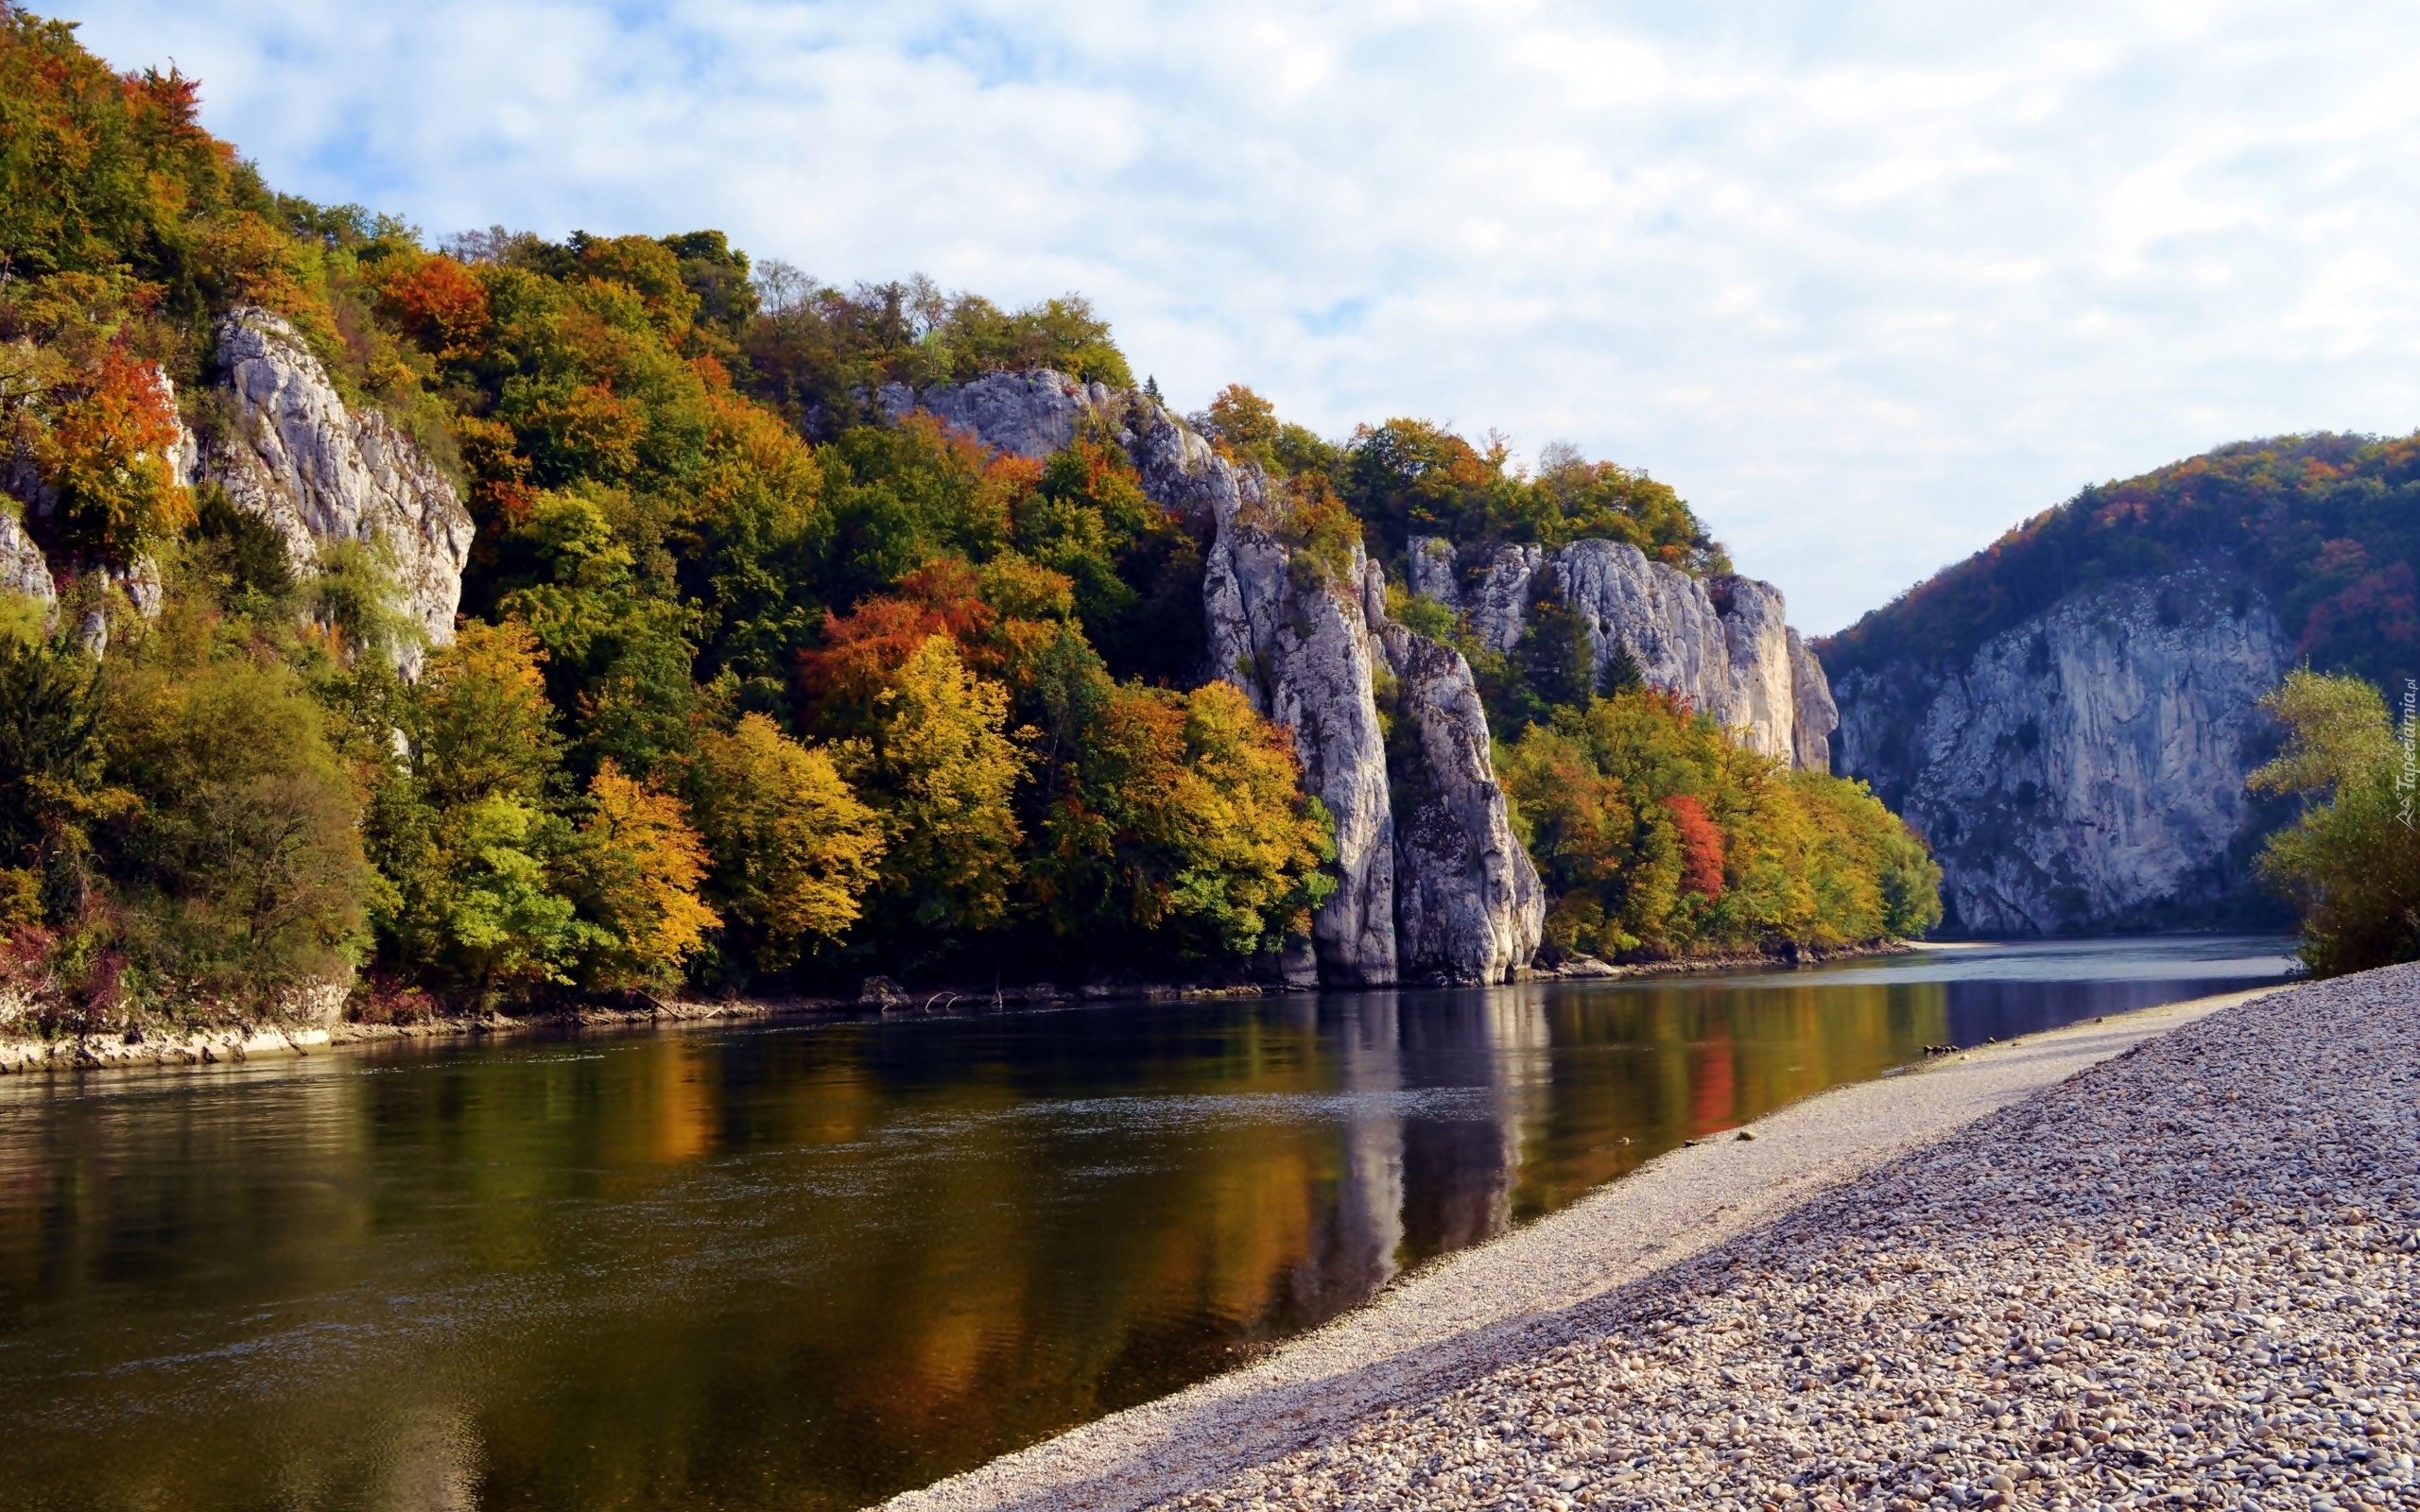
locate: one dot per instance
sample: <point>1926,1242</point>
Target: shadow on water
<point>804,1267</point>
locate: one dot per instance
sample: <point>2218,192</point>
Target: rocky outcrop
<point>22,568</point>
<point>319,472</point>
<point>1299,644</point>
<point>1469,906</point>
<point>1454,898</point>
<point>1498,600</point>
<point>1429,569</point>
<point>1813,715</point>
<point>1033,414</point>
<point>1722,642</point>
<point>2084,769</point>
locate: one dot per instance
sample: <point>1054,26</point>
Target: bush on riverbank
<point>2352,864</point>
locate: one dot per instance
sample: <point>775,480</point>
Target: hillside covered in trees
<point>2327,526</point>
<point>756,684</point>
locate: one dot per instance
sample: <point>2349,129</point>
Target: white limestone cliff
<point>1469,906</point>
<point>2084,769</point>
<point>1722,642</point>
<point>1033,414</point>
<point>22,568</point>
<point>319,472</point>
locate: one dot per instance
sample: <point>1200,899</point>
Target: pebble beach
<point>2185,1275</point>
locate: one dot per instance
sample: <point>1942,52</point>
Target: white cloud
<point>1867,281</point>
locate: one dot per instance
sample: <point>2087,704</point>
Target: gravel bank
<point>2187,1277</point>
<point>1525,1294</point>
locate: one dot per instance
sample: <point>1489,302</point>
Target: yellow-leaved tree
<point>794,850</point>
<point>641,863</point>
<point>940,759</point>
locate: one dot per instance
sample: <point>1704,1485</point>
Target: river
<point>807,1265</point>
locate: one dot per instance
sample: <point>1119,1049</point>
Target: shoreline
<point>164,1048</point>
<point>1477,1309</point>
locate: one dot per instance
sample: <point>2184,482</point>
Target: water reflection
<point>804,1268</point>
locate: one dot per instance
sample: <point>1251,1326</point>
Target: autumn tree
<point>639,866</point>
<point>794,850</point>
<point>939,766</point>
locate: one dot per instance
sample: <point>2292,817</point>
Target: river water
<point>787,1266</point>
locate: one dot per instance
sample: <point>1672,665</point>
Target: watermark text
<point>2407,776</point>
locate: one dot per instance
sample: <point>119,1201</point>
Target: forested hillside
<point>757,683</point>
<point>2327,526</point>
<point>724,700</point>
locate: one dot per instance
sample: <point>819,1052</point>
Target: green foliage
<point>240,868</point>
<point>2328,526</point>
<point>1408,478</point>
<point>1421,614</point>
<point>2352,864</point>
<point>942,770</point>
<point>1176,817</point>
<point>816,355</point>
<point>1659,836</point>
<point>100,171</point>
<point>1555,663</point>
<point>51,755</point>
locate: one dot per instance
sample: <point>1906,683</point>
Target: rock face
<point>2084,769</point>
<point>1469,906</point>
<point>23,569</point>
<point>1723,643</point>
<point>1813,715</point>
<point>322,474</point>
<point>1456,898</point>
<point>1033,414</point>
<point>1298,644</point>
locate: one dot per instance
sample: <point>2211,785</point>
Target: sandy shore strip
<point>1891,1295</point>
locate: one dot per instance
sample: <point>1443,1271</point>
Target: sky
<point>1867,283</point>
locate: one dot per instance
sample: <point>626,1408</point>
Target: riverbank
<point>2045,1273</point>
<point>162,1046</point>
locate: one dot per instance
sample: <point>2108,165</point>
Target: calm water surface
<point>803,1267</point>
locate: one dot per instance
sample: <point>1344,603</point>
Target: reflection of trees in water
<point>814,1267</point>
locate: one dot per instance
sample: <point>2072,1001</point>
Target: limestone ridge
<point>2085,770</point>
<point>1432,885</point>
<point>319,472</point>
<point>1723,643</point>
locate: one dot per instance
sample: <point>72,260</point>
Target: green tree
<point>2352,862</point>
<point>241,868</point>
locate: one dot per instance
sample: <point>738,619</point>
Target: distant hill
<point>2068,716</point>
<point>2327,526</point>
